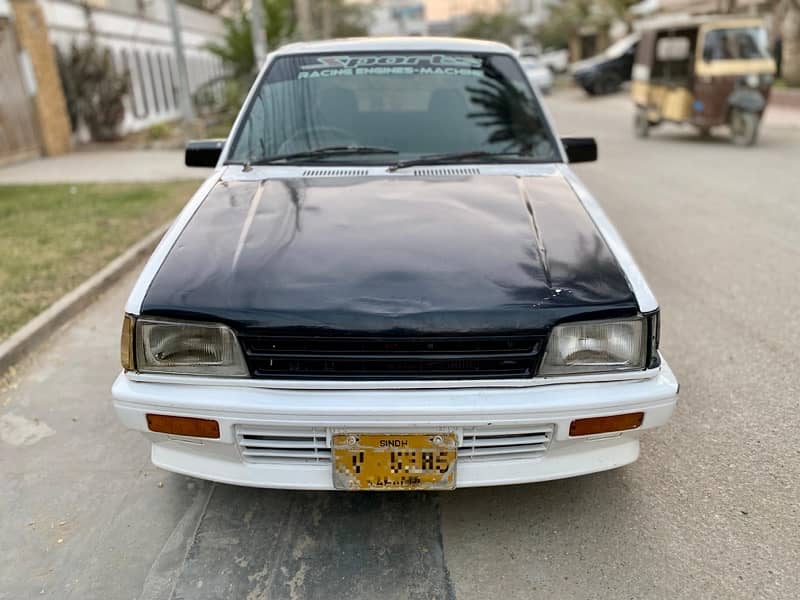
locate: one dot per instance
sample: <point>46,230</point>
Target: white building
<point>139,36</point>
<point>398,17</point>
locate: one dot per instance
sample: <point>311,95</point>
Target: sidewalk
<point>782,116</point>
<point>785,97</point>
<point>78,494</point>
<point>103,167</point>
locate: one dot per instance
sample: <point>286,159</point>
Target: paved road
<point>108,166</point>
<point>709,511</point>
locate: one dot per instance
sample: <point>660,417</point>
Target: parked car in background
<point>540,76</point>
<point>393,280</point>
<point>707,71</point>
<point>555,59</point>
<point>606,72</point>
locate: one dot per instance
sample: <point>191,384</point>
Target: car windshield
<point>743,43</point>
<point>408,105</point>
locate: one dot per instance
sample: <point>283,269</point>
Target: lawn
<point>52,237</point>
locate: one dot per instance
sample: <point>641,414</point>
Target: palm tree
<point>568,18</point>
<point>236,50</point>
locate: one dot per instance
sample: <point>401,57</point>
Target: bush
<point>95,90</point>
<point>159,131</point>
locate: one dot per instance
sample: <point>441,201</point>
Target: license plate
<point>394,462</point>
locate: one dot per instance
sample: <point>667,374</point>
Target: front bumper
<point>552,407</point>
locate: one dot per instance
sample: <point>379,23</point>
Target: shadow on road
<point>255,543</point>
<point>718,140</point>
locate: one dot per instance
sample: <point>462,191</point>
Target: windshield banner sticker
<point>393,64</point>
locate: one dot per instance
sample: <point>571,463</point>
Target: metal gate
<point>18,138</point>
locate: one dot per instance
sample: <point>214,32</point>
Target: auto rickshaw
<point>708,71</point>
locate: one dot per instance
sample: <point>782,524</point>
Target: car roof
<point>394,44</point>
<point>669,22</point>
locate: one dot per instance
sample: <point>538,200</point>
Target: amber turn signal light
<point>126,343</point>
<point>610,424</point>
<point>204,428</point>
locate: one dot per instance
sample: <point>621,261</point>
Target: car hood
<point>484,253</point>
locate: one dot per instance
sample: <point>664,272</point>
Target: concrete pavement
<point>78,496</point>
<point>103,167</point>
<point>709,511</point>
<point>711,508</point>
<point>782,116</point>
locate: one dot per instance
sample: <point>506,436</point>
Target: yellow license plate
<point>394,462</point>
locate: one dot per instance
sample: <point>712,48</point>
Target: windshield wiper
<point>320,152</point>
<point>435,159</point>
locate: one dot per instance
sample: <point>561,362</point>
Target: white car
<point>538,74</point>
<point>392,281</point>
<point>557,60</point>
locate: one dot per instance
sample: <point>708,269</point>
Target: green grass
<point>52,237</point>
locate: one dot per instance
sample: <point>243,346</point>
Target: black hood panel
<point>395,254</point>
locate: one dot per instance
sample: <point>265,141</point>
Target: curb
<point>37,330</point>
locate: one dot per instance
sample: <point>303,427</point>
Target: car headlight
<point>596,347</point>
<point>187,348</point>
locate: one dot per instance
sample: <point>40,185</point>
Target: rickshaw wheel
<point>641,124</point>
<point>744,127</point>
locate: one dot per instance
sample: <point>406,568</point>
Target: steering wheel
<point>322,136</point>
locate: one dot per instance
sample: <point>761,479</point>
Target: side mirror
<point>580,149</point>
<point>203,153</point>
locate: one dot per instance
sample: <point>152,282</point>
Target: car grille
<point>283,445</point>
<point>309,445</point>
<point>505,443</point>
<point>392,358</point>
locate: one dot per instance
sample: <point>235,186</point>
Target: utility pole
<point>327,19</point>
<point>184,94</point>
<point>259,33</point>
<point>303,10</point>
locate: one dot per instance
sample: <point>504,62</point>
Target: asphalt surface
<point>710,510</point>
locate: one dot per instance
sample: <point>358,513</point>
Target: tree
<point>339,18</point>
<point>564,22</point>
<point>553,33</point>
<point>568,17</point>
<point>236,51</point>
<point>499,26</point>
<point>620,10</point>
